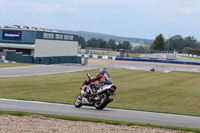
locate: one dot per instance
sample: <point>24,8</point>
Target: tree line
<point>188,45</point>
<point>100,43</point>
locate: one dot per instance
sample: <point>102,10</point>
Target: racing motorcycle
<point>99,94</point>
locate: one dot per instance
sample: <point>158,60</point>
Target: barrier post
<point>86,61</point>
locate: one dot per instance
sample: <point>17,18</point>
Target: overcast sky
<point>127,18</point>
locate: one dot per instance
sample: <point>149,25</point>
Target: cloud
<point>129,6</point>
<point>42,6</point>
<point>188,11</point>
<point>104,15</point>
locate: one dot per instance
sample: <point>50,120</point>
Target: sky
<point>127,18</point>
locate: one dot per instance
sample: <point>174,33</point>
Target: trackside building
<point>41,46</point>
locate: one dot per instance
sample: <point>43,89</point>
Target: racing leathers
<point>103,78</point>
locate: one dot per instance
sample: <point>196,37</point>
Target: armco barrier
<point>98,56</point>
<point>156,60</point>
<point>189,55</point>
<point>6,61</point>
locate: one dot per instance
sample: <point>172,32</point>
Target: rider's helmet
<point>102,70</point>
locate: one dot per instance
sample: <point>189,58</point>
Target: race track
<point>107,113</point>
<point>91,112</point>
<point>94,64</point>
<point>40,70</point>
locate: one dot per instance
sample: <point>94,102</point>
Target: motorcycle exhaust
<point>110,100</point>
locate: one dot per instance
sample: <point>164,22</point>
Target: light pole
<point>168,46</point>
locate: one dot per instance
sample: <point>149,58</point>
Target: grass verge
<point>3,65</point>
<point>112,122</point>
<point>110,54</point>
<point>191,57</point>
<point>131,55</point>
<point>175,93</point>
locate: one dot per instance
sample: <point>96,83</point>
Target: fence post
<point>86,61</point>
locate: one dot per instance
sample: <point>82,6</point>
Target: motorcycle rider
<point>103,78</point>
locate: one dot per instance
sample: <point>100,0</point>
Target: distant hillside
<point>89,35</point>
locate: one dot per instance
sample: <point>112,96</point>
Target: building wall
<point>46,48</point>
<point>20,58</point>
<point>56,36</point>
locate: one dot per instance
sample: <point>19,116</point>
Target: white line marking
<point>3,99</point>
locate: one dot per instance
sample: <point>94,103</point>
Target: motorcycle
<point>99,94</point>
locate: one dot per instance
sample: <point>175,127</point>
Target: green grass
<point>191,57</point>
<point>106,53</point>
<point>2,65</point>
<point>102,53</point>
<point>112,122</point>
<point>132,55</point>
<point>175,92</point>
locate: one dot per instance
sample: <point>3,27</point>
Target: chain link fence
<point>144,53</point>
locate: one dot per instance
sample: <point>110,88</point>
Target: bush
<point>188,50</point>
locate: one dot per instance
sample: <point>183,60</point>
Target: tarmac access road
<point>40,70</point>
<point>144,66</point>
<point>107,113</point>
<point>176,58</point>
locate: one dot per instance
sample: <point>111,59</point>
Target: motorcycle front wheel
<point>104,98</point>
<point>78,101</point>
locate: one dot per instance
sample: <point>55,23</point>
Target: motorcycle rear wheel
<point>103,102</point>
<point>78,101</point>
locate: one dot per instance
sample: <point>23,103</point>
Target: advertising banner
<point>12,35</point>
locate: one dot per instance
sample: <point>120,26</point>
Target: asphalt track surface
<point>144,66</point>
<point>94,64</point>
<point>40,70</point>
<point>107,113</point>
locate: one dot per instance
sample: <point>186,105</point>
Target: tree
<point>126,45</point>
<point>176,42</point>
<point>101,43</point>
<point>139,49</point>
<point>111,44</point>
<point>119,46</point>
<point>189,50</point>
<point>158,43</point>
<point>91,42</point>
<point>191,42</point>
<point>82,41</point>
